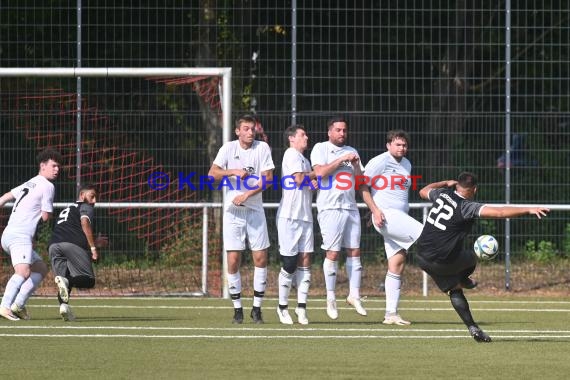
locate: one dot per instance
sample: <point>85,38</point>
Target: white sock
<point>330,268</point>
<point>303,284</point>
<point>285,283</point>
<point>28,288</point>
<point>392,286</point>
<point>354,273</point>
<point>259,285</point>
<point>234,285</point>
<point>12,289</point>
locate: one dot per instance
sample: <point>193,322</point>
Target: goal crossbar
<point>77,72</point>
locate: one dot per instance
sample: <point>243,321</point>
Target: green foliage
<point>125,263</point>
<point>43,237</point>
<point>542,252</point>
<point>372,243</point>
<point>487,227</point>
<point>566,241</point>
<point>185,247</point>
<point>246,96</point>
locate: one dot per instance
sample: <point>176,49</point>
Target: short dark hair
<point>49,154</point>
<point>248,118</point>
<point>467,180</point>
<point>336,119</point>
<point>88,187</point>
<point>291,131</point>
<point>397,134</point>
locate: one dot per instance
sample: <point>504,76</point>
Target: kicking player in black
<point>440,250</point>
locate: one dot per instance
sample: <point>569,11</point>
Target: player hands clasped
<point>244,216</point>
<point>338,214</point>
<point>389,208</point>
<point>440,246</point>
<point>33,202</point>
<point>73,248</point>
<point>295,226</point>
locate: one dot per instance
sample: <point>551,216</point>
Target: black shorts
<point>68,259</point>
<point>448,275</point>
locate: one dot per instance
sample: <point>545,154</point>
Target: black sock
<point>461,306</point>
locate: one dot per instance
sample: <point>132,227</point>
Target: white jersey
<point>295,203</point>
<point>254,160</point>
<point>31,198</point>
<point>388,192</point>
<point>336,191</point>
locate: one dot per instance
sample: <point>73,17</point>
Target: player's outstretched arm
<point>502,212</point>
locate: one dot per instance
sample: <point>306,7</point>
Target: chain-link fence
<point>479,86</point>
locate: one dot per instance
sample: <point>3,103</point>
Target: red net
<point>206,87</point>
<point>107,160</point>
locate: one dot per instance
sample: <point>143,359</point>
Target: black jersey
<point>68,225</point>
<point>448,222</point>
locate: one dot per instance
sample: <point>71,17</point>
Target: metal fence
<point>481,85</point>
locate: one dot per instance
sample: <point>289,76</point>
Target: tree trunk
<point>210,117</point>
<point>449,90</point>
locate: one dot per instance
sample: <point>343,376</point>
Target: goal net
<point>141,135</point>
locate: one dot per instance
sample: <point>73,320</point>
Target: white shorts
<point>340,229</point>
<point>243,224</point>
<point>295,236</point>
<point>400,231</point>
<point>20,250</point>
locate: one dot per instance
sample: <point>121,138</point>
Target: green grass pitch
<point>193,338</point>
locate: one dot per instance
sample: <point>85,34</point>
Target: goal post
<point>225,103</point>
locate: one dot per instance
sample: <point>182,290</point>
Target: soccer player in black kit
<point>73,248</point>
<point>440,250</point>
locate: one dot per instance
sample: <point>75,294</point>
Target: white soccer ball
<point>486,247</point>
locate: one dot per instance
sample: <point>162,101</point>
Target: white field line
<point>288,337</point>
<point>301,333</point>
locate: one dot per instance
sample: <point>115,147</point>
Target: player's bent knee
<point>289,263</point>
<point>454,292</point>
<point>82,282</point>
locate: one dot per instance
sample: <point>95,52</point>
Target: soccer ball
<point>486,247</point>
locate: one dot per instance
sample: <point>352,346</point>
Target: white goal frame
<point>104,72</point>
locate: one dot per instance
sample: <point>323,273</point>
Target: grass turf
<point>188,338</point>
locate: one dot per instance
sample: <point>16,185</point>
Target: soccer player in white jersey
<point>245,167</point>
<point>295,224</point>
<point>33,201</point>
<point>336,165</point>
<point>390,176</point>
